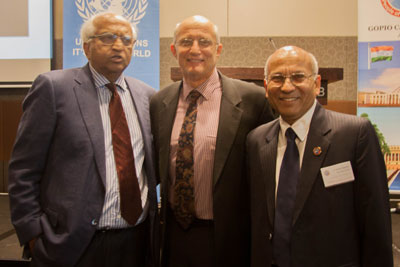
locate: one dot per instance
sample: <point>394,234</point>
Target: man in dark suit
<point>319,197</point>
<point>210,225</point>
<point>71,195</point>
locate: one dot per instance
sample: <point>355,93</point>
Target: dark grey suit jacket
<point>57,171</point>
<point>243,107</point>
<point>343,225</point>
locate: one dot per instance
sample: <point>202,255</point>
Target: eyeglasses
<point>110,38</point>
<point>295,78</point>
<point>188,42</point>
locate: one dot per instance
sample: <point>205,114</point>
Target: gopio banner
<point>379,78</point>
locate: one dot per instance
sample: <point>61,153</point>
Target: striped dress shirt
<point>205,137</point>
<point>111,214</point>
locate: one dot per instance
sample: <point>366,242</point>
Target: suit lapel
<point>228,125</point>
<point>167,116</point>
<point>311,165</point>
<point>141,105</point>
<point>88,102</point>
<point>268,165</point>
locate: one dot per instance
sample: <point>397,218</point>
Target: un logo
<point>132,10</point>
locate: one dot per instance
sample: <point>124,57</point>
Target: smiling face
<point>197,60</point>
<point>291,101</point>
<point>109,60</point>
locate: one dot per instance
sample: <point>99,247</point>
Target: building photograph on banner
<point>379,78</point>
<point>143,14</point>
<point>379,100</point>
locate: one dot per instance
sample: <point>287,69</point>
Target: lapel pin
<point>317,151</point>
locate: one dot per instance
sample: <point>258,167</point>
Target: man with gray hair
<point>318,185</point>
<point>81,176</point>
<point>199,127</point>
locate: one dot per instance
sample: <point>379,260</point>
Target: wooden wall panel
<point>12,115</point>
<point>2,163</point>
<point>12,111</point>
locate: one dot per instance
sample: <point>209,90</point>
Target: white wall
<point>266,17</point>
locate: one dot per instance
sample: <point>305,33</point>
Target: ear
<point>219,49</point>
<point>86,49</point>
<point>317,84</point>
<point>173,49</point>
<point>266,88</point>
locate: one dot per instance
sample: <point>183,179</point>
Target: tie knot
<point>290,134</point>
<point>111,87</point>
<point>193,96</point>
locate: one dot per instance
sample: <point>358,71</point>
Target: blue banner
<point>144,14</point>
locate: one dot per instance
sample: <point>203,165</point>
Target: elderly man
<point>318,187</point>
<point>81,177</point>
<point>199,127</point>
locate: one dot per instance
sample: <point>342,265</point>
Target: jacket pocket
<point>52,216</point>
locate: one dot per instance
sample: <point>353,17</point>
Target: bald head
<point>290,52</point>
<point>292,82</point>
<point>197,47</point>
<point>197,21</point>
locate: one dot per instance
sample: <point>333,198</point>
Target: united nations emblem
<point>392,7</point>
<point>132,10</point>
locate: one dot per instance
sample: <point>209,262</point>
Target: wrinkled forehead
<point>290,61</point>
<point>106,22</point>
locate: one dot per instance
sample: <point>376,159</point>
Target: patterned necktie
<point>130,197</point>
<point>288,178</point>
<point>183,205</point>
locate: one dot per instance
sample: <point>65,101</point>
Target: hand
<point>32,244</point>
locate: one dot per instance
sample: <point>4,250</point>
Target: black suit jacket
<point>57,171</point>
<point>343,225</point>
<point>243,107</point>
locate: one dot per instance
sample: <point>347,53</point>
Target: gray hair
<point>314,64</point>
<point>88,29</point>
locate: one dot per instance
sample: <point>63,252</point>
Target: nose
<point>118,44</point>
<point>195,48</point>
<point>287,85</point>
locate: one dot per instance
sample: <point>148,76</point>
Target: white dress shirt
<point>301,128</point>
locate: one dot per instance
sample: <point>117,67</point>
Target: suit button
<point>270,236</point>
<point>95,222</point>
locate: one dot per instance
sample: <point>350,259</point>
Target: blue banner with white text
<point>144,14</point>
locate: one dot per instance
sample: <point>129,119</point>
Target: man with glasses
<point>81,177</point>
<point>199,127</point>
<point>318,186</point>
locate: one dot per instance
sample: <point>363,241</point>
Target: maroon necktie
<point>130,197</point>
<point>184,186</point>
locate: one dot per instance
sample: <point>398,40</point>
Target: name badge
<point>337,174</point>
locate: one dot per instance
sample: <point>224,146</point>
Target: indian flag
<point>379,53</point>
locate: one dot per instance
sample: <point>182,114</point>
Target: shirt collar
<point>101,81</point>
<point>301,126</point>
<point>205,89</point>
